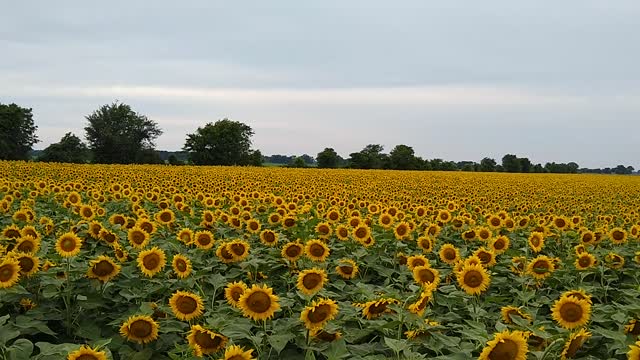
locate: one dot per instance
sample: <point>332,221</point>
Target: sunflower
<point>28,244</point>
<point>269,237</point>
<point>185,236</point>
<point>347,268</point>
<point>292,251</point>
<point>342,232</point>
<point>444,216</point>
<point>578,294</point>
<point>473,279</point>
<point>147,225</point>
<point>205,342</point>
<point>29,264</point>
<point>469,235</point>
<point>375,308</point>
<point>235,352</point>
<point>361,233</point>
<point>11,231</point>
<point>425,275</point>
<point>239,249</point>
<point>165,217</point>
<point>323,230</point>
<point>233,291</point>
<point>618,236</point>
<point>414,261</point>
<point>137,237</point>
<point>506,345</point>
<point>494,222</point>
<point>258,303</point>
<point>288,222</point>
<point>186,305</point>
<point>386,221</point>
<point>541,267</point>
<point>310,281</point>
<point>29,230</point>
<point>585,261</point>
<point>121,255</point>
<point>108,236</point>
<point>536,241</point>
<point>574,343</point>
<point>151,261</point>
<point>470,260</point>
<point>118,219</point>
<point>484,233</point>
<point>68,244</point>
<point>224,254</point>
<point>420,305</point>
<point>634,351</point>
<point>614,261</point>
<point>253,226</point>
<point>203,239</point>
<point>9,272</point>
<point>86,212</point>
<point>140,328</point>
<point>87,353</point>
<point>402,231</point>
<point>449,254</point>
<point>181,265</point>
<point>425,243</point>
<point>433,230</point>
<point>316,250</point>
<point>319,313</point>
<point>570,312</point>
<point>488,258</point>
<point>103,268</point>
<point>509,312</point>
<point>500,244</point>
<point>587,237</point>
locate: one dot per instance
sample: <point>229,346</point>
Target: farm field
<point>163,262</point>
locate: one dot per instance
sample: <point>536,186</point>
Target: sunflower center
<point>401,230</point>
<point>473,278</point>
<point>541,267</point>
<point>323,229</point>
<point>535,241</point>
<point>103,268</point>
<point>319,313</point>
<point>505,350</point>
<point>346,269</point>
<point>316,250</point>
<point>259,302</point>
<point>68,244</point>
<point>418,262</point>
<point>618,235</point>
<point>87,357</point>
<point>236,293</point>
<point>499,244</point>
<point>6,272</point>
<point>238,249</point>
<point>207,341</point>
<point>449,254</point>
<point>289,222</point>
<point>571,312</point>
<point>151,261</point>
<point>140,329</point>
<point>427,276</point>
<point>181,265</point>
<point>137,237</point>
<point>225,253</point>
<point>204,240</point>
<point>378,308</point>
<point>361,233</point>
<point>253,225</point>
<point>26,264</point>
<point>165,217</point>
<point>584,261</point>
<point>186,304</point>
<point>485,257</point>
<point>26,246</point>
<point>269,237</point>
<point>312,280</point>
<point>293,251</point>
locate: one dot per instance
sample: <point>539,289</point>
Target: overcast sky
<point>460,80</point>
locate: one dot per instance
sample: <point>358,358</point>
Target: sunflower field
<point>162,262</point>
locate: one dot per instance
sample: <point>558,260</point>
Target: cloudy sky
<point>460,80</point>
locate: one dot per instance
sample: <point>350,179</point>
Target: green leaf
<point>278,342</point>
<point>7,334</point>
<point>309,356</point>
<point>145,354</point>
<point>337,350</point>
<point>20,350</point>
<point>396,345</point>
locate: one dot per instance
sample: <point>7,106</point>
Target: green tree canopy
<point>327,158</point>
<point>224,142</point>
<point>17,132</point>
<point>70,149</point>
<point>402,157</point>
<point>118,135</point>
<point>488,165</point>
<point>371,157</point>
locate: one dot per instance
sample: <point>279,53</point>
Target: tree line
<point>115,134</point>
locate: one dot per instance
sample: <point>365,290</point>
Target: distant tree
<point>297,162</point>
<point>224,142</point>
<point>148,156</point>
<point>511,163</point>
<point>537,168</point>
<point>173,160</point>
<point>370,157</point>
<point>525,165</point>
<point>254,158</point>
<point>468,166</point>
<point>279,159</point>
<point>402,157</point>
<point>308,159</point>
<point>70,149</point>
<point>436,164</point>
<point>623,170</point>
<point>327,158</point>
<point>487,165</point>
<point>17,132</point>
<point>572,168</point>
<point>118,135</point>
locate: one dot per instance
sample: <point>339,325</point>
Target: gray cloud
<point>555,81</point>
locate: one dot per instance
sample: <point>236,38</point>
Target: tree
<point>17,132</point>
<point>224,142</point>
<point>117,134</point>
<point>70,149</point>
<point>511,163</point>
<point>488,165</point>
<point>370,157</point>
<point>297,162</point>
<point>402,157</point>
<point>327,158</point>
<point>525,165</point>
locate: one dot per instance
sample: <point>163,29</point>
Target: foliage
<point>17,132</point>
<point>327,158</point>
<point>118,135</point>
<point>70,149</point>
<point>224,142</point>
<point>370,157</point>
